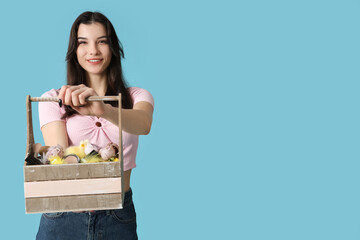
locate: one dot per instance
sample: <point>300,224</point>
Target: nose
<point>93,50</point>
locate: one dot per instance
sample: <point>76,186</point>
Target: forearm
<point>55,133</point>
<point>134,121</point>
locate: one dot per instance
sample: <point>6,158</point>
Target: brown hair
<point>76,74</point>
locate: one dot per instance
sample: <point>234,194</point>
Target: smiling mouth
<point>94,60</point>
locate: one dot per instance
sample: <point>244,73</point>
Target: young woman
<point>94,69</point>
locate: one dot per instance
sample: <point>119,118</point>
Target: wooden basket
<point>72,187</point>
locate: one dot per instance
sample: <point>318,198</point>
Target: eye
<point>103,41</point>
<point>81,42</point>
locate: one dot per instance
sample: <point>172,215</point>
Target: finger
<point>85,94</point>
<point>62,91</point>
<point>68,95</point>
<point>76,95</point>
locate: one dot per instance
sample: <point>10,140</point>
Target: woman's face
<point>93,52</point>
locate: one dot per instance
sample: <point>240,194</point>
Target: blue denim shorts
<point>98,225</point>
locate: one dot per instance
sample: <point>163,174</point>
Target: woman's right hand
<point>75,97</point>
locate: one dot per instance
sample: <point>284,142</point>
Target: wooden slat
<point>72,187</point>
<point>29,126</point>
<point>71,171</point>
<point>73,203</point>
<point>121,154</point>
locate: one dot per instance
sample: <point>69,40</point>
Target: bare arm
<point>135,121</point>
<point>55,133</point>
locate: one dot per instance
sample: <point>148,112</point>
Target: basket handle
<point>30,133</point>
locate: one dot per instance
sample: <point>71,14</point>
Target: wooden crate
<point>72,187</point>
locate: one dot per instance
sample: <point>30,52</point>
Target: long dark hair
<point>115,79</point>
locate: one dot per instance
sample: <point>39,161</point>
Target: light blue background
<point>256,124</point>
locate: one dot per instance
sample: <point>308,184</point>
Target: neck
<point>98,83</point>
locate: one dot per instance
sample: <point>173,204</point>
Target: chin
<point>95,72</point>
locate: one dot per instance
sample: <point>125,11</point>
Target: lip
<point>94,61</point>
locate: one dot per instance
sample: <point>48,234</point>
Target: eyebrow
<point>97,38</point>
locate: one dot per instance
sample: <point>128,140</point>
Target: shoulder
<point>134,91</point>
<point>51,93</point>
<point>140,94</point>
<point>50,111</point>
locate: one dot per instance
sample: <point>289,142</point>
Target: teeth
<point>94,60</point>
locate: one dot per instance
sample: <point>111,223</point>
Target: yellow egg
<point>56,160</point>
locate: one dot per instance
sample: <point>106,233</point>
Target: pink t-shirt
<point>97,131</point>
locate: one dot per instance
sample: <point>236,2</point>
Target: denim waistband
<point>128,194</point>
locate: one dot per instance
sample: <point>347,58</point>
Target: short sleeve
<point>140,94</point>
<point>50,111</point>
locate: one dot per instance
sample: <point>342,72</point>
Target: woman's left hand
<point>75,97</point>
